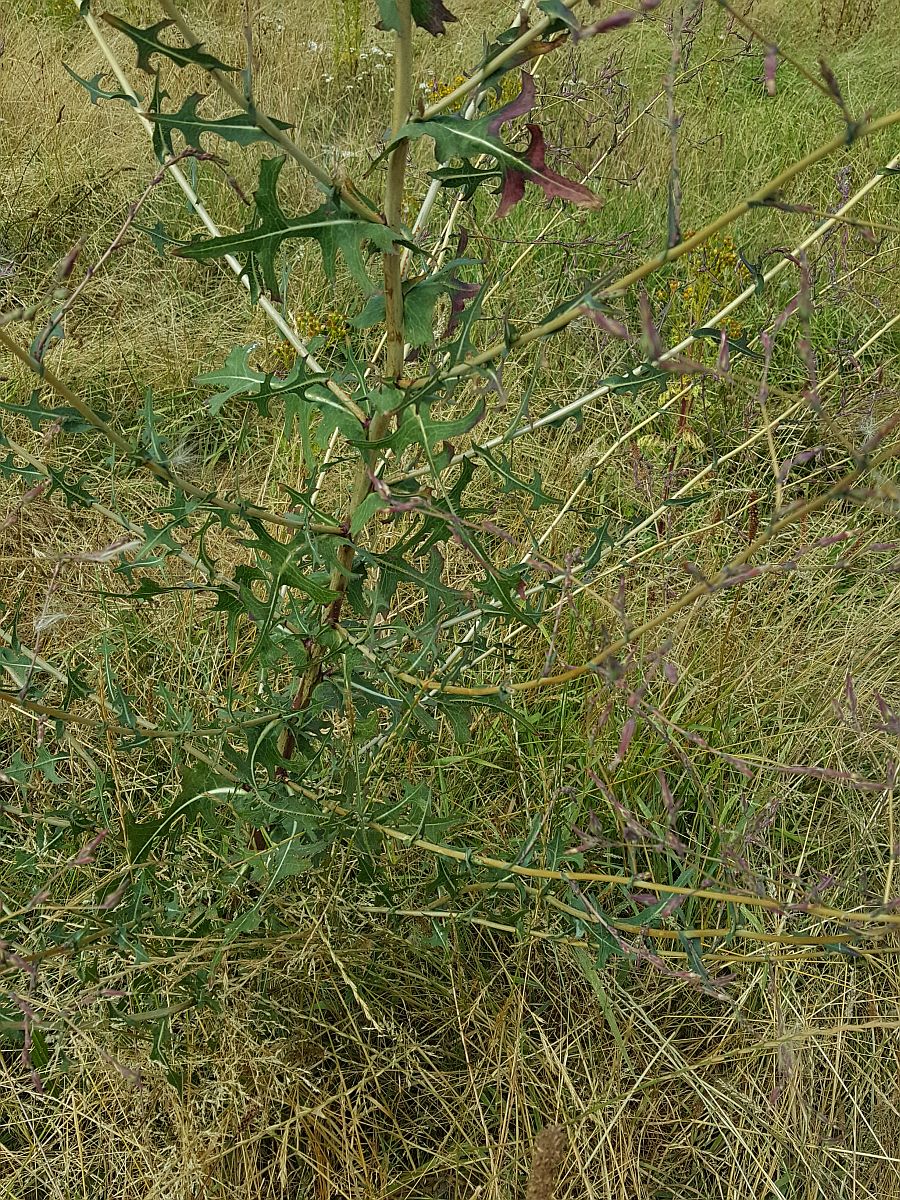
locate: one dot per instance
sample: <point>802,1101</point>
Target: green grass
<point>348,1041</point>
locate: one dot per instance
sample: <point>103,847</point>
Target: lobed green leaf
<point>147,44</point>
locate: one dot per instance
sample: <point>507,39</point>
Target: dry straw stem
<point>575,406</point>
<point>621,285</point>
<point>211,227</point>
<point>748,900</point>
<point>771,904</point>
<point>764,430</point>
<point>699,591</point>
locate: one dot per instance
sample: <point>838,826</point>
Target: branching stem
<point>161,472</point>
<point>271,130</point>
<point>394,354</point>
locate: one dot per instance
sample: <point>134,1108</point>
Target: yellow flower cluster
<point>720,255</point>
<point>706,280</point>
<point>680,386</point>
<point>333,326</point>
<point>435,89</point>
<point>653,446</point>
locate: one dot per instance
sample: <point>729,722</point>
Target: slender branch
<point>492,66</point>
<point>764,41</point>
<point>649,521</point>
<point>134,208</point>
<point>163,473</point>
<point>119,518</point>
<point>807,210</point>
<point>621,285</point>
<point>575,406</point>
<point>807,945</point>
<point>655,932</point>
<point>699,591</point>
<point>278,136</point>
<point>748,900</point>
<point>145,728</point>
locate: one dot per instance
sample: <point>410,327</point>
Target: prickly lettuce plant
<point>385,602</point>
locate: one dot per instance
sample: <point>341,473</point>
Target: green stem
<point>393,286</point>
<point>478,77</point>
<point>394,355</point>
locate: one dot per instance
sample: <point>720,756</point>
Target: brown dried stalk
<point>550,1148</point>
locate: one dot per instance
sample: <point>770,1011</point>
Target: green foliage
<point>241,128</point>
<point>420,297</point>
<point>335,228</point>
<point>431,15</point>
<point>455,137</point>
<point>148,45</point>
<point>93,88</point>
<point>238,378</point>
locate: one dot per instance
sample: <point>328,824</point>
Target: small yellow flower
<point>333,326</point>
<point>435,89</point>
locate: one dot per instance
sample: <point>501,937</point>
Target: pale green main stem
<point>393,200</point>
<point>394,354</point>
<point>393,284</point>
